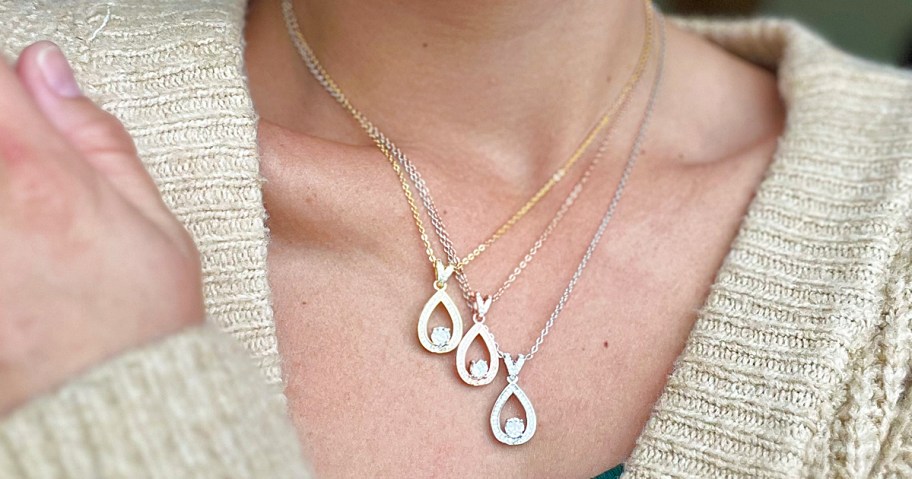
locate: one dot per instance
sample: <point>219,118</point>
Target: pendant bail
<point>443,273</point>
<point>481,307</point>
<point>513,368</point>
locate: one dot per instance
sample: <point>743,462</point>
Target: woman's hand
<point>92,262</point>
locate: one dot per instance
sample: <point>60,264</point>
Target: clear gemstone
<point>515,427</point>
<point>440,336</point>
<point>478,369</point>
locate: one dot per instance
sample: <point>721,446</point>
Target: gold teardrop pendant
<point>442,339</point>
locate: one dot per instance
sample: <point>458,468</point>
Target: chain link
<point>612,206</point>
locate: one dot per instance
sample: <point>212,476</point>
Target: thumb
<point>94,133</point>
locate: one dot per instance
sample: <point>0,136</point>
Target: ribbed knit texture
<point>191,406</point>
<point>797,366</point>
<point>799,357</point>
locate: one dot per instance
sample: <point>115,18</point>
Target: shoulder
<point>846,151</point>
<point>809,67</point>
<point>849,120</point>
<point>807,64</point>
<point>838,193</point>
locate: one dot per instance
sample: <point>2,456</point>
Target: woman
<point>746,313</point>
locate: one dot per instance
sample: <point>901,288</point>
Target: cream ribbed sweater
<point>796,367</point>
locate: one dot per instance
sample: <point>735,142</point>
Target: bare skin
<point>458,94</point>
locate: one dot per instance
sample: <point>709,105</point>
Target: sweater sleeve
<point>191,405</point>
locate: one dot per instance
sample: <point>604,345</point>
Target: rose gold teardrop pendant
<point>480,371</point>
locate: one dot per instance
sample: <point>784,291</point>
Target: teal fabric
<point>614,473</point>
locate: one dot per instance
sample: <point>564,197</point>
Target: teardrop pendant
<point>442,339</point>
<point>515,431</point>
<point>480,372</point>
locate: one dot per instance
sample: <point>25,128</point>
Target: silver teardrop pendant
<point>442,339</point>
<point>515,431</point>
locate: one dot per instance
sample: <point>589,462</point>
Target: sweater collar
<point>754,391</point>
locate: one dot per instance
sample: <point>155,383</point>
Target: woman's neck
<point>501,82</point>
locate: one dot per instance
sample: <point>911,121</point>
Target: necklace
<point>442,339</point>
<point>479,373</point>
<point>515,431</point>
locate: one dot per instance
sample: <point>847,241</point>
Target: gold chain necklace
<point>379,139</point>
<point>442,339</point>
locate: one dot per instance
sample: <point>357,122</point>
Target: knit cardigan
<point>798,364</point>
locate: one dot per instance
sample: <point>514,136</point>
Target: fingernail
<point>56,71</point>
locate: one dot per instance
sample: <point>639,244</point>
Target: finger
<point>30,153</point>
<point>96,134</point>
<point>25,134</point>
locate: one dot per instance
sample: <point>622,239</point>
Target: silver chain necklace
<point>515,431</point>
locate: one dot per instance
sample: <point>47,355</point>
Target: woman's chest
<point>369,400</point>
<point>349,279</point>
